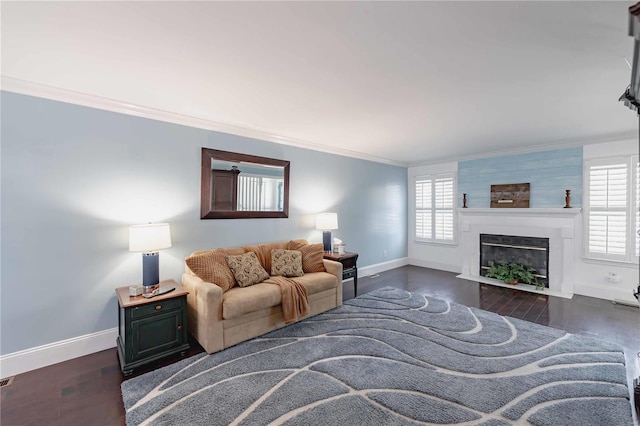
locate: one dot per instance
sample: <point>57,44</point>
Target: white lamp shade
<point>327,221</point>
<point>150,237</point>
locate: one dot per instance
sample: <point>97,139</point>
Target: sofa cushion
<point>243,300</point>
<point>211,266</point>
<point>312,255</point>
<point>263,251</point>
<point>246,269</point>
<point>315,282</point>
<point>286,263</point>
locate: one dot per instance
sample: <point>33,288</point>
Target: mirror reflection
<point>238,185</point>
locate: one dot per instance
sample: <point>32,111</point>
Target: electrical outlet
<point>384,253</point>
<point>612,277</point>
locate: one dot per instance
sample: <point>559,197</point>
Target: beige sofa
<point>219,319</point>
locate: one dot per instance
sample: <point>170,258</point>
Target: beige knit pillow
<point>286,263</point>
<point>211,266</point>
<point>246,269</point>
<point>312,255</point>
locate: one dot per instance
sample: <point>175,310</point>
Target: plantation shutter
<point>613,213</point>
<point>444,209</point>
<point>434,208</point>
<point>423,208</point>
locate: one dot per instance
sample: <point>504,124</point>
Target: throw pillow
<point>246,269</point>
<point>211,266</point>
<point>286,263</point>
<point>312,255</point>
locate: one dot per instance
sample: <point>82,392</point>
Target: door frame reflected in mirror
<point>206,188</point>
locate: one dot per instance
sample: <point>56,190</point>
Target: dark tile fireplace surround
<point>529,251</point>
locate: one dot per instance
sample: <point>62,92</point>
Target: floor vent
<point>6,382</point>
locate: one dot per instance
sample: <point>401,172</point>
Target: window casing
<point>435,218</point>
<point>612,214</point>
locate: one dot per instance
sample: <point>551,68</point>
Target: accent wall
<point>549,172</point>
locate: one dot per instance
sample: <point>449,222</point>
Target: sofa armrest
<point>335,268</point>
<point>204,310</point>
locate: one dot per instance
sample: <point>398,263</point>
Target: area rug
<point>393,357</point>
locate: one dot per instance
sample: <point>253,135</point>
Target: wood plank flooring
<point>86,390</point>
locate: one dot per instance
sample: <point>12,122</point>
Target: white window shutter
<point>423,208</point>
<point>612,208</point>
<point>435,208</point>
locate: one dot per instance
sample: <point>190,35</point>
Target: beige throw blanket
<point>294,298</point>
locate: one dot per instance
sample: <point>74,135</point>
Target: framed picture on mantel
<point>512,195</point>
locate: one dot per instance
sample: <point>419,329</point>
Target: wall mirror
<point>235,186</point>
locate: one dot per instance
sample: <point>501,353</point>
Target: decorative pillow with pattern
<point>211,266</point>
<point>246,269</point>
<point>286,263</point>
<point>312,255</point>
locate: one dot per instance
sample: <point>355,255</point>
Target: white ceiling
<point>401,82</point>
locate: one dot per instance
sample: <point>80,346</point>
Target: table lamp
<point>326,222</point>
<point>149,239</point>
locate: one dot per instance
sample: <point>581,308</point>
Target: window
<point>259,193</point>
<point>612,214</point>
<point>435,208</point>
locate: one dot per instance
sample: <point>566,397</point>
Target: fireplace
<point>559,226</point>
<point>532,252</point>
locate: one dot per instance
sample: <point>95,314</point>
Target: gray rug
<point>393,357</point>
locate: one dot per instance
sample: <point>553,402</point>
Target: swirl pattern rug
<point>393,357</point>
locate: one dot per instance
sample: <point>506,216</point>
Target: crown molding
<point>24,87</point>
<point>568,143</point>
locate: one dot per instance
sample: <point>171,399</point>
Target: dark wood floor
<point>86,390</point>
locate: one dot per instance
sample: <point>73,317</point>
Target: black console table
<point>349,266</point>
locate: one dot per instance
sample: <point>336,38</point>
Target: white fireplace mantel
<point>559,225</point>
<point>540,212</point>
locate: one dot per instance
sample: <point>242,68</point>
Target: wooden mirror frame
<point>206,212</point>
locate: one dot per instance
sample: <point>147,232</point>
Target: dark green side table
<point>150,329</point>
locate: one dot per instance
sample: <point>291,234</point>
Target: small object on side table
<point>349,266</point>
<point>150,329</point>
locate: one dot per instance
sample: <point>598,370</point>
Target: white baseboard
<point>53,353</point>
<point>435,265</point>
<point>605,292</point>
<point>381,267</point>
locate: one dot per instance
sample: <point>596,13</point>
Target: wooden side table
<point>349,266</point>
<point>150,329</point>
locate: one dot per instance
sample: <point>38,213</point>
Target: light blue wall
<point>74,178</point>
<point>548,172</point>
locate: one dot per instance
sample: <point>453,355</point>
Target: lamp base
<point>150,272</point>
<point>326,240</point>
